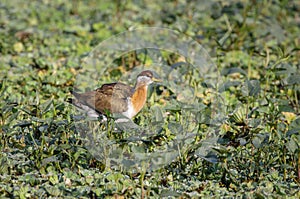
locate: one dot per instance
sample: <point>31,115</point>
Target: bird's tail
<point>73,101</point>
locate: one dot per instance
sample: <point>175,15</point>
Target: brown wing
<point>109,97</point>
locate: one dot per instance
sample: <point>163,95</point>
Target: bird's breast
<point>137,101</point>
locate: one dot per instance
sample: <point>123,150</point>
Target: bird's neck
<point>139,97</point>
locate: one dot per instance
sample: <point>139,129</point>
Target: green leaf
<point>256,142</point>
<point>45,107</point>
<point>226,85</point>
<point>293,79</point>
<point>23,124</point>
<point>251,88</point>
<point>49,159</point>
<point>158,113</point>
<point>228,71</point>
<point>292,146</point>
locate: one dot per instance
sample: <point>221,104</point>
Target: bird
<point>115,98</point>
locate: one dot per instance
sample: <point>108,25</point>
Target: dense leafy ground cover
<point>255,45</point>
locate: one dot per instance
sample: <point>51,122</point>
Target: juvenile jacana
<point>116,97</point>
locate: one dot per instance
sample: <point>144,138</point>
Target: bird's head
<point>146,78</point>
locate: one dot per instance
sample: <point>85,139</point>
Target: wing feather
<point>109,97</point>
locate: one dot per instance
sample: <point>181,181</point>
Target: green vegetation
<point>256,47</point>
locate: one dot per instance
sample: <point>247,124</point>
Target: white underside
<point>130,113</point>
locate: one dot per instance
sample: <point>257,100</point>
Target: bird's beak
<point>156,79</point>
